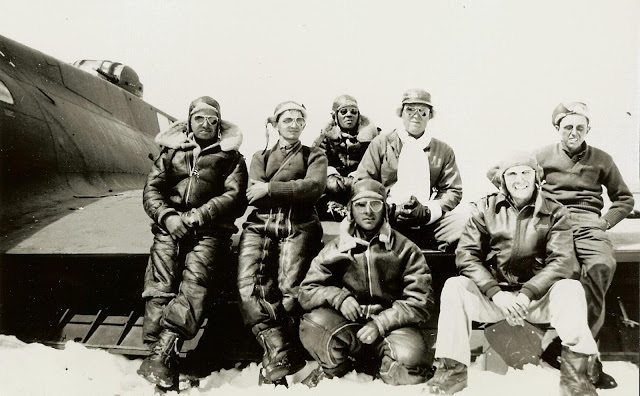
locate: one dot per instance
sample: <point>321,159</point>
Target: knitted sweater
<point>578,185</point>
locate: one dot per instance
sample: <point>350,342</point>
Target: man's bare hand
<point>369,333</point>
<point>175,226</point>
<point>257,190</point>
<point>515,310</point>
<point>350,309</point>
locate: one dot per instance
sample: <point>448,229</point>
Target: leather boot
<point>573,374</point>
<point>551,354</point>
<point>599,378</point>
<point>279,358</point>
<point>314,377</point>
<point>262,380</point>
<point>450,377</point>
<point>160,366</point>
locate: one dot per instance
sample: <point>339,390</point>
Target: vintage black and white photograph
<point>336,197</point>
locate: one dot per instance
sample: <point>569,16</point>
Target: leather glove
<point>337,210</point>
<point>335,184</point>
<point>348,182</point>
<point>413,213</point>
<point>393,214</point>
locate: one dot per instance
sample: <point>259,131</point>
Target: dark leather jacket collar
<point>540,205</point>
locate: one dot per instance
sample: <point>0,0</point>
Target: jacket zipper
<point>367,258</point>
<point>194,172</point>
<point>516,240</point>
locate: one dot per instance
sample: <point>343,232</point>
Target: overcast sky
<point>496,69</point>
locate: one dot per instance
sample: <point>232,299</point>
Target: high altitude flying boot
<point>279,358</point>
<point>573,374</point>
<point>450,377</point>
<point>314,377</point>
<point>160,367</point>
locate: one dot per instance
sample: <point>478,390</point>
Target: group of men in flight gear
<point>367,294</point>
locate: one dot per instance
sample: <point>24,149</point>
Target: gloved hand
<point>337,210</point>
<point>335,184</point>
<point>413,213</point>
<point>393,214</point>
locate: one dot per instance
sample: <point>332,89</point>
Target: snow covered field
<point>35,369</point>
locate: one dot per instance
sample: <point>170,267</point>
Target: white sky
<point>496,69</point>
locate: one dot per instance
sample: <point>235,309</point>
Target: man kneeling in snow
<point>369,293</point>
<point>515,256</point>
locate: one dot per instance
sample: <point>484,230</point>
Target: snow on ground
<point>35,369</point>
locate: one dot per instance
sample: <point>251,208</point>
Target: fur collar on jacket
<point>176,137</point>
<point>366,130</point>
<point>348,239</point>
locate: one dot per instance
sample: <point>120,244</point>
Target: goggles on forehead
<point>577,107</point>
<point>298,121</point>
<point>346,110</point>
<point>201,119</point>
<point>375,205</point>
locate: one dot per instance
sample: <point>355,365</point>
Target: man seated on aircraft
<point>574,174</point>
<point>280,238</point>
<point>420,174</point>
<point>369,293</point>
<point>344,140</point>
<point>194,193</point>
<point>515,258</point>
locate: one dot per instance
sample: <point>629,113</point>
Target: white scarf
<point>414,176</point>
<point>413,169</point>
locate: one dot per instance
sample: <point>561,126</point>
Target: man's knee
<point>320,324</point>
<point>328,337</point>
<point>408,346</point>
<point>568,292</point>
<point>406,357</point>
<point>596,253</point>
<point>453,287</point>
<point>600,274</point>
